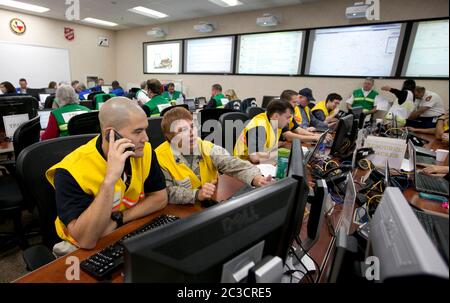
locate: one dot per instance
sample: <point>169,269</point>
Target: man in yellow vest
<point>306,120</point>
<point>113,179</point>
<point>259,140</point>
<point>191,166</point>
<point>326,110</point>
<point>293,130</point>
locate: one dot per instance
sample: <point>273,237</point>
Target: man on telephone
<point>113,179</point>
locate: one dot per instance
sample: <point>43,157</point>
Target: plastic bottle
<point>282,162</point>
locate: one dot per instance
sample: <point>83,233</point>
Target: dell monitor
<point>197,248</point>
<point>266,100</point>
<point>358,115</point>
<point>404,249</point>
<point>16,106</point>
<point>343,138</point>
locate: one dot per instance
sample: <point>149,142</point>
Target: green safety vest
<point>65,113</point>
<point>365,102</point>
<point>218,99</point>
<point>175,96</point>
<point>153,104</point>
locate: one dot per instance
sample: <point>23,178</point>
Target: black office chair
<point>233,104</point>
<point>13,197</point>
<point>49,101</point>
<point>171,107</point>
<point>154,132</point>
<point>87,103</point>
<point>248,102</point>
<point>92,95</point>
<point>86,123</point>
<point>266,100</point>
<point>32,164</point>
<point>213,115</point>
<point>230,129</point>
<point>146,110</point>
<point>253,111</point>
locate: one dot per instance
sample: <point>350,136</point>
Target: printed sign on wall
<point>69,33</point>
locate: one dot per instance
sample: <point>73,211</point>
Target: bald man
<point>113,179</point>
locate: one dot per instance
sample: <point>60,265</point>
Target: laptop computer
<point>426,183</point>
<point>312,153</point>
<point>191,104</point>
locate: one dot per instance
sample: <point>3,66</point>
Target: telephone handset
<point>118,136</point>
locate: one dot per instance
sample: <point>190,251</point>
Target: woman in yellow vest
<point>102,185</point>
<point>191,166</point>
<point>259,140</point>
<point>326,110</point>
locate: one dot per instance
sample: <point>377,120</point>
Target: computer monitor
<point>399,241</point>
<point>35,92</point>
<point>195,249</point>
<point>349,204</point>
<point>296,170</point>
<point>267,99</point>
<point>18,106</point>
<point>191,104</point>
<point>344,138</point>
<point>358,115</point>
<point>313,153</point>
<point>316,213</point>
<point>200,102</point>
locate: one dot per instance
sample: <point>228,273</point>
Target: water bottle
<point>282,162</point>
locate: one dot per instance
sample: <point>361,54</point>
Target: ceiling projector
<point>267,20</point>
<point>156,32</point>
<point>203,28</point>
<point>358,10</point>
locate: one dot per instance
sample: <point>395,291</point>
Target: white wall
<point>316,14</point>
<point>86,58</point>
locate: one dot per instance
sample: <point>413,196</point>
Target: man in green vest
<point>171,94</point>
<point>157,102</point>
<point>364,97</point>
<point>216,97</point>
<point>59,118</point>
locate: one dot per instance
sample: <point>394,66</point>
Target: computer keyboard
<point>108,260</point>
<point>431,183</point>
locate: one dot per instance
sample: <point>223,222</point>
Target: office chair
<point>213,115</point>
<point>13,198</point>
<point>171,107</point>
<point>86,103</point>
<point>227,122</point>
<point>248,102</point>
<point>101,98</point>
<point>154,131</point>
<point>32,164</point>
<point>266,100</point>
<point>49,101</point>
<point>234,104</point>
<point>93,94</point>
<point>253,111</point>
<point>86,123</point>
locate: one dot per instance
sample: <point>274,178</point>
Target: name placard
<point>12,122</point>
<point>386,149</point>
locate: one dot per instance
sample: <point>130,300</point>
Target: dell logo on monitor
<point>239,220</point>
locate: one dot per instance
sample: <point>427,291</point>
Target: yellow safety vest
<point>298,114</point>
<point>241,147</point>
<point>88,168</point>
<point>180,171</point>
<point>322,105</point>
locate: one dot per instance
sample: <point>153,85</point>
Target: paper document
<point>267,169</point>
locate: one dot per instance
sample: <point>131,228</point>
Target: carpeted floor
<point>12,265</point>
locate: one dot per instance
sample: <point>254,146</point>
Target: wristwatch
<point>117,217</point>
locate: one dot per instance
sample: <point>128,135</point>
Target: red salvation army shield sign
<point>69,33</point>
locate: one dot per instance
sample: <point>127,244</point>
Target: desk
<point>55,272</point>
<point>226,187</point>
